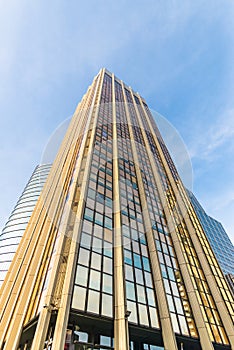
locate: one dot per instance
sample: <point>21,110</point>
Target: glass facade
<point>94,274</point>
<point>122,261</point>
<point>218,238</point>
<point>19,218</point>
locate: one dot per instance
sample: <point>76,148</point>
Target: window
<point>137,260</point>
<point>107,305</point>
<point>78,300</point>
<point>130,291</point>
<point>81,276</point>
<point>107,283</point>
<point>141,294</point>
<point>85,240</point>
<point>96,261</point>
<point>143,315</point>
<point>83,257</point>
<point>93,301</point>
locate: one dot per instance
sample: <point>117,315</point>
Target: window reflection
<point>132,307</point>
<point>83,257</point>
<point>143,315</point>
<point>94,280</point>
<point>81,276</point>
<point>107,308</point>
<point>78,300</point>
<point>93,301</point>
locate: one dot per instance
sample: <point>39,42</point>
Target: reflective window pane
<point>183,325</point>
<point>141,294</point>
<point>107,283</point>
<point>148,279</point>
<point>93,301</point>
<point>127,257</point>
<point>132,307</point>
<point>150,295</point>
<point>107,265</point>
<point>130,291</point>
<point>94,280</point>
<point>137,260</point>
<point>143,315</point>
<point>178,304</point>
<point>128,273</point>
<point>175,323</point>
<point>139,276</point>
<point>85,240</point>
<point>107,307</point>
<point>146,264</point>
<point>170,303</point>
<point>154,317</point>
<point>78,300</point>
<point>83,257</point>
<point>81,275</point>
<point>96,261</point>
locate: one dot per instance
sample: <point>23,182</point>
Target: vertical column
<point>63,242</point>
<point>120,323</point>
<point>64,308</point>
<point>167,330</point>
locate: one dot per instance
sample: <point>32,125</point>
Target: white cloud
<point>206,142</point>
<point>220,206</point>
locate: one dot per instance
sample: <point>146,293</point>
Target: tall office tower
<point>114,256</point>
<point>218,238</point>
<point>19,218</point>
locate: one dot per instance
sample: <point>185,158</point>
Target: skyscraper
<point>114,255</point>
<point>19,218</point>
<point>218,238</point>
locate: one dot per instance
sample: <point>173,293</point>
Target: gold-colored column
<point>120,322</point>
<point>168,335</point>
<point>200,323</point>
<point>64,239</point>
<point>64,308</point>
<point>38,292</point>
<point>220,304</point>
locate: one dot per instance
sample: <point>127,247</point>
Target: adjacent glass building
<point>218,238</point>
<point>114,256</point>
<point>19,218</point>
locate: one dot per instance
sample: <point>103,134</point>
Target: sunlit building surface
<point>18,220</point>
<point>114,256</point>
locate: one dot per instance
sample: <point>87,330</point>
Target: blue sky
<point>178,54</point>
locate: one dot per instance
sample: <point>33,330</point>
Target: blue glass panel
<point>146,264</point>
<point>137,260</point>
<point>127,257</point>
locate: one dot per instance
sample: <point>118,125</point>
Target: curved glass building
<point>19,218</point>
<point>218,238</point>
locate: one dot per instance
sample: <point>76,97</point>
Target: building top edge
<point>105,70</point>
